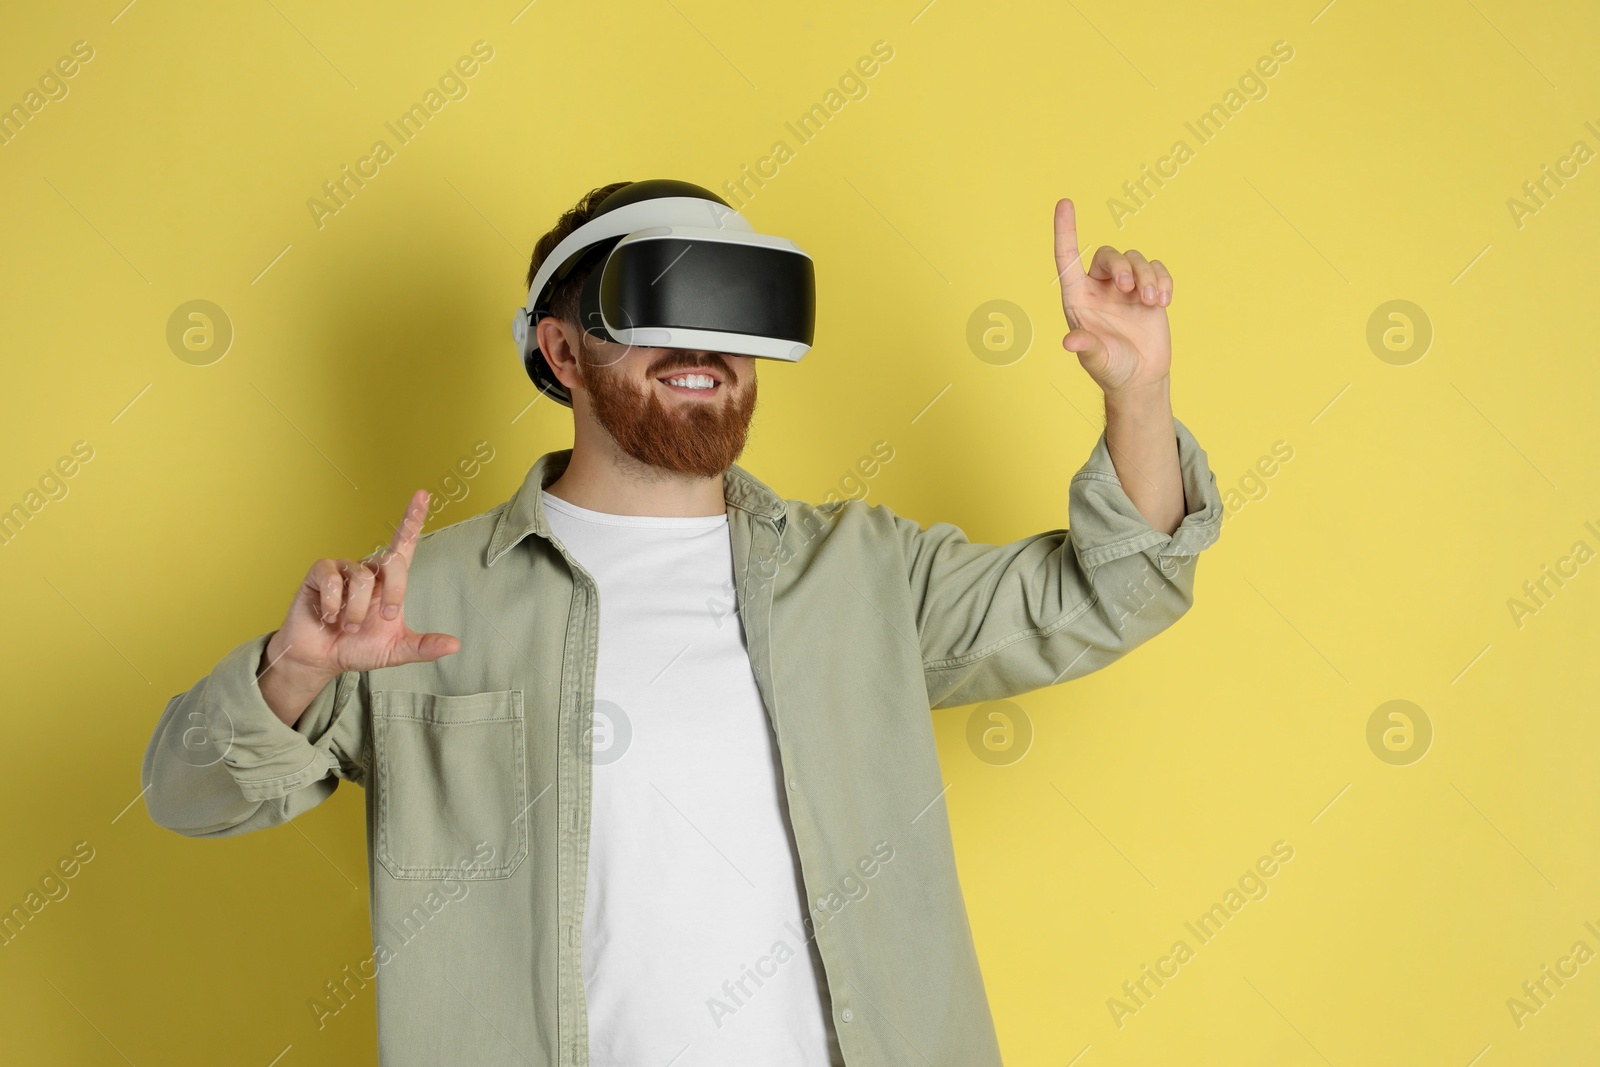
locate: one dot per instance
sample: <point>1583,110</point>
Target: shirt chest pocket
<point>452,776</point>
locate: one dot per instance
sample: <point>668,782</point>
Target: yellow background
<point>372,354</point>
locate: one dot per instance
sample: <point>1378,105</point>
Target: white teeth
<point>693,381</point>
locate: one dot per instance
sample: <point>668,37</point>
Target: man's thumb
<point>1081,341</point>
<point>425,648</point>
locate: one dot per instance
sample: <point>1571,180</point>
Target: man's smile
<point>699,383</point>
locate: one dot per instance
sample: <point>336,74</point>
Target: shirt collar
<point>524,513</point>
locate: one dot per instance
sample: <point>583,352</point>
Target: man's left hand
<point>1116,311</point>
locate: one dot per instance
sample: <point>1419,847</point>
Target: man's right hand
<point>348,616</point>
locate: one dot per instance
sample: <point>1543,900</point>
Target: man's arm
<point>222,761</point>
<point>1117,314</point>
<point>1144,452</point>
<point>997,621</point>
<point>271,730</point>
<point>1000,621</point>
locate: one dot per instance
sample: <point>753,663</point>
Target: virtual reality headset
<point>672,265</point>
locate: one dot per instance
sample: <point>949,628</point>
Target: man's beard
<point>702,439</point>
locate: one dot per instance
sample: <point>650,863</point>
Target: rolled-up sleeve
<point>996,621</point>
<point>221,762</point>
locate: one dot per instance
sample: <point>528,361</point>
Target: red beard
<point>699,438</point>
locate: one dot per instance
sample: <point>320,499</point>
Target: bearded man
<point>647,754</point>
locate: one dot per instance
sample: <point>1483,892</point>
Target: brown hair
<point>564,300</point>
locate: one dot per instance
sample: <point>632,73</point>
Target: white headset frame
<point>682,217</point>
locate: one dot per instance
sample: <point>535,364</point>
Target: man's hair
<point>564,299</point>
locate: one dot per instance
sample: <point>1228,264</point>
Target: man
<point>649,768</point>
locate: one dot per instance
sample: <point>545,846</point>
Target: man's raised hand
<point>1116,310</point>
<point>349,616</point>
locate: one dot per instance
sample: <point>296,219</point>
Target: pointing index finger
<point>404,541</point>
<point>1069,263</point>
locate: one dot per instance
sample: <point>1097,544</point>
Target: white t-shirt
<point>694,949</point>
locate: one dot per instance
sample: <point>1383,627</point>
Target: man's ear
<point>558,340</point>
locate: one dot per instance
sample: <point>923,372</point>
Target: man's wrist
<point>286,686</point>
<point>1147,401</point>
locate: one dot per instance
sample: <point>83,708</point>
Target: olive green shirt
<point>476,767</point>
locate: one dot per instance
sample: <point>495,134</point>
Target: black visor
<point>715,286</point>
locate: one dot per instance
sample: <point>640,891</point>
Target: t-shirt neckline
<point>605,518</point>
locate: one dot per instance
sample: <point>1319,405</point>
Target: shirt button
<point>847,1015</point>
<point>794,783</point>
